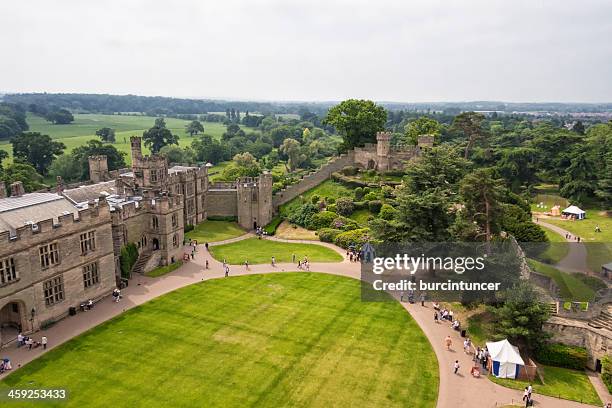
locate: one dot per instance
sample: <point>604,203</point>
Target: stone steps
<point>552,308</point>
<point>604,320</point>
<point>143,258</point>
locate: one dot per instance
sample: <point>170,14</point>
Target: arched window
<point>175,240</point>
<point>155,223</point>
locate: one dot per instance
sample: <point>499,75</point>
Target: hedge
<point>270,229</point>
<point>328,234</point>
<point>560,355</point>
<point>222,218</point>
<point>606,372</point>
<point>324,219</point>
<point>188,228</point>
<point>355,237</point>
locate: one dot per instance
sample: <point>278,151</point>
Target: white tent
<point>506,359</point>
<point>575,211</point>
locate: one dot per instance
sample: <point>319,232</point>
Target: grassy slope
<point>560,382</point>
<point>213,231</point>
<point>570,287</point>
<point>292,339</point>
<point>261,251</point>
<point>327,189</point>
<point>162,270</point>
<point>85,126</point>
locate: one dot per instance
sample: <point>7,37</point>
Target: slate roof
<point>89,192</point>
<point>30,208</point>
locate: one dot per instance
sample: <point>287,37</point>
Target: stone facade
<point>385,157</point>
<point>52,265</point>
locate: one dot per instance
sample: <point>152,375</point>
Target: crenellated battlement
<point>48,228</point>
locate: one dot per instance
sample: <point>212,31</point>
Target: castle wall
<point>580,334</point>
<point>221,203</point>
<point>28,291</point>
<point>312,180</point>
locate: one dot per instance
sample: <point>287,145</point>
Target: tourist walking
<point>449,342</point>
<point>422,299</point>
<point>246,264</point>
<point>226,271</point>
<point>436,318</point>
<point>207,264</point>
<point>20,340</point>
<point>206,245</point>
<point>292,258</point>
<point>456,366</point>
<point>273,262</point>
<point>43,341</point>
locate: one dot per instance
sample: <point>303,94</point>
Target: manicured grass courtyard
<point>214,231</point>
<point>291,339</point>
<point>559,382</point>
<point>261,251</point>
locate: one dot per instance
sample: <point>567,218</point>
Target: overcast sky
<point>407,50</point>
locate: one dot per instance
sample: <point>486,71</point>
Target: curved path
<point>576,258</point>
<point>455,390</point>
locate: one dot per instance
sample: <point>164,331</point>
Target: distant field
<point>85,125</point>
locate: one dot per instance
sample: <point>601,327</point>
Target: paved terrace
<point>455,390</point>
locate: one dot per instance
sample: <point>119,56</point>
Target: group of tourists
<point>116,295</point>
<point>527,396</point>
<point>260,232</point>
<point>353,255</point>
<point>445,314</point>
<point>30,343</point>
<point>576,238</point>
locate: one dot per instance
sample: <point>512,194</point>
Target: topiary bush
<point>328,234</point>
<point>355,237</point>
<point>349,171</point>
<point>315,198</point>
<point>324,219</point>
<point>560,355</point>
<point>128,256</point>
<point>370,196</point>
<point>344,206</point>
<point>303,214</point>
<point>359,193</point>
<point>387,212</point>
<point>374,206</point>
<point>344,223</point>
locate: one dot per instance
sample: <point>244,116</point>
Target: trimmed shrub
<point>330,200</point>
<point>388,191</point>
<point>303,214</point>
<point>222,218</point>
<point>270,229</point>
<point>355,237</point>
<point>324,219</point>
<point>374,206</point>
<point>606,372</point>
<point>315,198</point>
<point>387,212</point>
<point>560,355</point>
<point>332,208</point>
<point>359,193</point>
<point>344,224</point>
<point>344,206</point>
<point>349,171</point>
<point>328,234</point>
<point>188,228</point>
<point>370,196</point>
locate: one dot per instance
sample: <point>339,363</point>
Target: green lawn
<point>572,287</point>
<point>162,270</point>
<point>85,125</point>
<point>559,382</point>
<point>261,251</point>
<point>557,248</point>
<point>329,189</point>
<point>290,339</point>
<point>213,231</point>
<point>361,216</point>
<point>585,229</point>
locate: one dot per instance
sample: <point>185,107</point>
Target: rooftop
<point>31,208</point>
<point>86,193</point>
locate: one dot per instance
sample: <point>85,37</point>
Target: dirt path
<point>460,390</point>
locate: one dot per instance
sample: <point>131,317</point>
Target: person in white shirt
<point>20,341</point>
<point>43,341</point>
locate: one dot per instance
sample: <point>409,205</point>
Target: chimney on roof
<point>17,189</point>
<point>2,189</point>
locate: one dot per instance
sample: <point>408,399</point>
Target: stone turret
<point>150,172</point>
<point>383,146</point>
<point>254,199</point>
<point>136,147</point>
<point>17,189</point>
<point>98,169</point>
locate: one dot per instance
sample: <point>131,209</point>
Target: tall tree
<point>25,173</point>
<point>37,149</point>
<point>159,136</point>
<point>194,127</point>
<point>291,148</point>
<point>470,123</point>
<point>482,195</point>
<point>106,134</point>
<point>60,117</point>
<point>357,121</point>
<point>421,126</point>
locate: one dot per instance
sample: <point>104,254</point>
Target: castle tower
<point>98,169</point>
<point>383,144</point>
<point>136,147</point>
<point>254,197</point>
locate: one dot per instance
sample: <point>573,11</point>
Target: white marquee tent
<point>506,359</point>
<point>575,211</point>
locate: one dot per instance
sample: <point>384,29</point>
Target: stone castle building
<point>383,156</point>
<point>58,250</point>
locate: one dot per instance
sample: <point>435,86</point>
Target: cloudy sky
<point>406,50</point>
